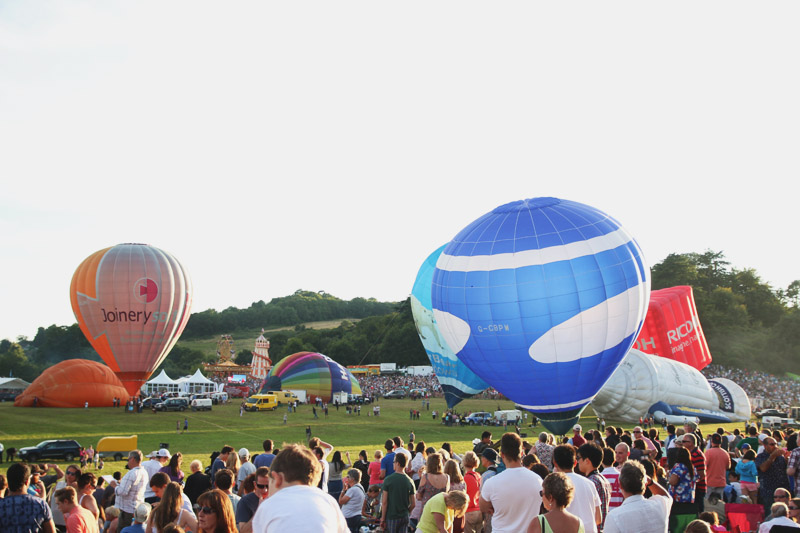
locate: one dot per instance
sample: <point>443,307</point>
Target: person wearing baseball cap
<point>140,516</point>
<point>489,461</point>
<point>577,438</point>
<point>158,459</point>
<point>247,467</point>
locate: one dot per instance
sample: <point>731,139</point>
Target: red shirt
<point>473,481</point>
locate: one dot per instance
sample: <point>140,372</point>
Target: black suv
<point>173,404</point>
<point>66,450</point>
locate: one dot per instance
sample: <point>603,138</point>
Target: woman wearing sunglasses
<point>216,513</point>
<point>794,509</point>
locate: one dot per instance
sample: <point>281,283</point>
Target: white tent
<point>11,387</point>
<point>161,383</point>
<point>197,383</point>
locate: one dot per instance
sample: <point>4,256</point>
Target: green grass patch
<point>210,430</point>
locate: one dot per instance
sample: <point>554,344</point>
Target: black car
<point>66,450</point>
<point>173,404</point>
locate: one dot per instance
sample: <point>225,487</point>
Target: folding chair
<point>744,516</point>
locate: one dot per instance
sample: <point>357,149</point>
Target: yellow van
<point>117,447</point>
<point>261,402</point>
<point>284,396</point>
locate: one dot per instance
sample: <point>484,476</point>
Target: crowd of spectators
<point>780,392</point>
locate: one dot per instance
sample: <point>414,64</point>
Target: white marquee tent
<point>161,383</point>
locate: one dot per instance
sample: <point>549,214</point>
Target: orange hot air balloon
<point>72,383</point>
<point>132,302</point>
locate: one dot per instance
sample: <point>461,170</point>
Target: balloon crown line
<point>529,203</point>
<point>134,244</point>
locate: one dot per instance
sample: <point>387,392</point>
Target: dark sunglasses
<point>264,486</point>
<point>71,473</point>
<point>206,510</point>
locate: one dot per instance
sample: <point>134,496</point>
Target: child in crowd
<point>748,473</point>
<point>371,511</point>
<point>733,489</point>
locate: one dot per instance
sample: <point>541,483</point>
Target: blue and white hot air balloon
<point>542,298</point>
<point>458,381</point>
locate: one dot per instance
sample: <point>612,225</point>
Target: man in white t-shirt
<point>158,459</point>
<point>636,513</point>
<point>586,502</point>
<point>294,503</point>
<point>514,495</point>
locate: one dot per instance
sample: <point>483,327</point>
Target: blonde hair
<point>457,500</point>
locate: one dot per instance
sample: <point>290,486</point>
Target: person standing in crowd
<point>249,503</point>
<point>611,473</point>
<point>772,465</point>
<point>158,460</point>
<point>374,469</point>
<point>79,520</point>
<point>577,439</point>
<point>246,468</point>
<point>473,522</point>
<point>718,462</point>
<point>264,459</point>
<point>173,468</point>
<point>216,513</point>
<point>224,482</point>
<point>221,459</point>
<point>397,498</point>
<point>130,491</point>
<point>586,502</point>
<point>362,465</point>
<point>557,494</point>
<point>544,451</point>
<point>294,503</point>
<point>197,482</point>
<point>19,511</point>
<point>432,482</point>
<point>337,467</point>
<point>699,463</point>
<point>590,457</point>
<point>513,497</point>
<point>170,509</point>
<point>637,513</point>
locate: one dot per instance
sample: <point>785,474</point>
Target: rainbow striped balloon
<point>317,374</point>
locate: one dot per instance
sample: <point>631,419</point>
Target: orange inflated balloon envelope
<point>132,302</point>
<point>73,383</point>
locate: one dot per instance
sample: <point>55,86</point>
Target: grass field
<point>210,430</point>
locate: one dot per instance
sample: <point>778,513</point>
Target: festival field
<point>210,430</point>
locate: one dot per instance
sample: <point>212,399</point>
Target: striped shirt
<point>612,475</point>
<point>699,464</point>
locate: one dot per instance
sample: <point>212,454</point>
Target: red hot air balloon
<point>132,302</point>
<point>672,328</point>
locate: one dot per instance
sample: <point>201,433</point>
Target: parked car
<point>479,418</point>
<point>261,402</point>
<point>173,404</point>
<point>66,450</point>
<point>151,401</point>
<point>771,412</point>
<point>398,393</point>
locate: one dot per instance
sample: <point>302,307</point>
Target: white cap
<point>152,454</point>
<point>163,452</point>
<point>244,452</point>
<point>577,427</point>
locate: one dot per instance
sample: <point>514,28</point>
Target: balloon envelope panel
<point>542,298</point>
<point>71,383</point>
<point>457,380</point>
<point>317,374</point>
<point>132,302</point>
<point>672,328</point>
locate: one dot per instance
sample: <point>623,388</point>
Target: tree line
<point>748,324</point>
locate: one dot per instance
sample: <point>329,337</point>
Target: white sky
<point>276,146</point>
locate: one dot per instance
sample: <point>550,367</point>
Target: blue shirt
<point>23,513</point>
<point>263,459</point>
<point>387,463</point>
<point>135,528</point>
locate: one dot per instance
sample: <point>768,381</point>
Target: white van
<point>201,404</point>
<point>512,416</point>
<point>219,397</point>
